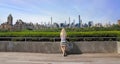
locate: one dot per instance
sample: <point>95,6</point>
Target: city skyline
<point>21,25</point>
<point>38,11</point>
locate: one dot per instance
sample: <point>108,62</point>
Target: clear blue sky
<point>103,11</point>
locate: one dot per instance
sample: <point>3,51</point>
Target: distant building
<point>73,24</point>
<point>7,25</point>
<point>10,20</point>
<point>51,25</point>
<point>69,22</point>
<point>62,25</point>
<point>19,25</point>
<point>37,26</point>
<point>80,22</point>
<point>107,25</point>
<point>90,23</point>
<point>55,25</point>
<point>98,25</point>
<point>85,25</point>
<point>119,22</point>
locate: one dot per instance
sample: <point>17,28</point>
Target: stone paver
<point>39,58</point>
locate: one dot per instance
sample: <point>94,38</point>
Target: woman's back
<point>63,35</point>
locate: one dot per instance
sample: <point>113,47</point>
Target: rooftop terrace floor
<point>41,58</point>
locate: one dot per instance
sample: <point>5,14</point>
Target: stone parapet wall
<point>54,47</point>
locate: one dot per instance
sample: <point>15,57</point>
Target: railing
<point>58,39</point>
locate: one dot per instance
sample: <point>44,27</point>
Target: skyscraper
<point>80,22</point>
<point>51,20</point>
<point>69,22</point>
<point>65,24</point>
<point>51,25</point>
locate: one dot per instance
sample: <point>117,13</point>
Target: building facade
<point>119,22</point>
<point>7,25</point>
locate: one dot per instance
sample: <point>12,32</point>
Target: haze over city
<point>37,11</point>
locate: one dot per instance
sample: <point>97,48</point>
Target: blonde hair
<point>63,33</point>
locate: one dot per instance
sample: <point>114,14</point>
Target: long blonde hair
<point>63,33</point>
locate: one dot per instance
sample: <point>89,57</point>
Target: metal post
<point>25,39</point>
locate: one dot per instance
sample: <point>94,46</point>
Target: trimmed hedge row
<point>56,34</point>
<point>95,34</point>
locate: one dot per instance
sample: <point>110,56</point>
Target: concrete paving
<point>39,58</point>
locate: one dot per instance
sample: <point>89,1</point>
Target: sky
<point>40,11</point>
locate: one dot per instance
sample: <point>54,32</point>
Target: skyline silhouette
<point>37,11</point>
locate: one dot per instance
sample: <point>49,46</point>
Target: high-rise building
<point>80,22</point>
<point>10,20</point>
<point>65,24</point>
<point>51,20</point>
<point>90,23</point>
<point>51,23</point>
<point>69,22</point>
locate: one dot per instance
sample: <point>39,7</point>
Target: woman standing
<point>63,43</point>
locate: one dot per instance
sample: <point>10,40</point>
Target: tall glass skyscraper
<point>80,22</point>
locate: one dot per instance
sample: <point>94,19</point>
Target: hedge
<point>56,34</point>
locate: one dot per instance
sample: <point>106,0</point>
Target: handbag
<point>69,46</point>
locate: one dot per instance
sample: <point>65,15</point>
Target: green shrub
<point>57,34</point>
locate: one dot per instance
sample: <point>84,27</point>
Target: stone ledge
<point>54,47</point>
